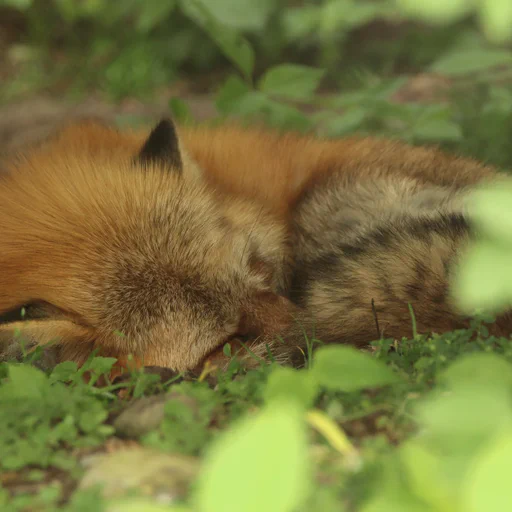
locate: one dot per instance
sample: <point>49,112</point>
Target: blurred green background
<point>427,72</point>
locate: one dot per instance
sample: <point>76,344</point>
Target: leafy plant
<point>45,417</point>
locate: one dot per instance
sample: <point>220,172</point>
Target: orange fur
<point>277,168</point>
<point>54,242</point>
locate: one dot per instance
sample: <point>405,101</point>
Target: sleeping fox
<point>164,246</point>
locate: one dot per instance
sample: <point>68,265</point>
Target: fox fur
<point>165,246</point>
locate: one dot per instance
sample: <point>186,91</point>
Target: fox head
<point>115,242</point>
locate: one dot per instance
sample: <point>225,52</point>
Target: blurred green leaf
<point>231,92</point>
<point>395,500</point>
<point>437,130</point>
<point>462,421</point>
<point>344,15</point>
<point>300,21</point>
<point>232,44</point>
<point>287,384</point>
<point>472,61</point>
<point>488,369</point>
<point>285,116</point>
<point>487,487</point>
<point>240,14</point>
<point>25,382</point>
<point>347,122</point>
<point>261,464</point>
<point>100,365</point>
<point>180,110</point>
<point>64,372</point>
<point>496,19</point>
<point>291,81</point>
<point>484,276</point>
<point>22,5</point>
<point>153,12</point>
<point>427,477</point>
<point>483,279</point>
<point>491,210</point>
<point>143,505</point>
<point>440,11</point>
<point>344,368</point>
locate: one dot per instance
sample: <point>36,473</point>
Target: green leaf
<point>26,382</point>
<point>21,5</point>
<point>343,15</point>
<point>180,110</point>
<point>491,209</point>
<point>232,44</point>
<point>154,12</point>
<point>291,81</point>
<point>344,368</point>
<point>143,505</point>
<point>437,130</point>
<point>285,116</point>
<point>426,477</point>
<point>439,11</point>
<point>471,61</point>
<point>231,92</point>
<point>240,14</point>
<point>487,487</point>
<point>483,279</point>
<point>100,365</point>
<point>496,19</point>
<point>64,372</point>
<point>300,21</point>
<point>289,384</point>
<point>487,369</point>
<point>91,419</point>
<point>249,104</point>
<point>462,421</point>
<point>399,500</point>
<point>347,122</point>
<point>260,465</point>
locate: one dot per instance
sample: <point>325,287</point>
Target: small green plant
<point>46,416</point>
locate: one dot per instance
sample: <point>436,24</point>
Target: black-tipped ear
<point>162,146</point>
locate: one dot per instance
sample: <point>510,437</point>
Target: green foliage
<point>484,279</point>
<point>422,424</point>
<point>261,463</point>
<point>45,416</point>
<point>347,369</point>
<point>161,40</point>
<point>456,463</point>
<point>290,81</point>
<point>494,15</point>
<point>403,387</point>
<point>187,418</point>
<point>293,385</point>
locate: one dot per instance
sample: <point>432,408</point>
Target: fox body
<point>167,245</point>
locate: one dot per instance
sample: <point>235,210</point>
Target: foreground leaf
<point>261,465</point>
<point>289,384</point>
<point>484,278</point>
<point>471,369</point>
<point>488,484</point>
<point>491,210</point>
<point>347,369</point>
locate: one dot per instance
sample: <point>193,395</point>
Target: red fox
<point>165,246</point>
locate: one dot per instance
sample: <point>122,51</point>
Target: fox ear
<point>162,146</point>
